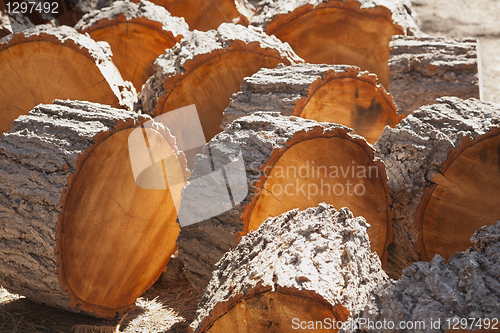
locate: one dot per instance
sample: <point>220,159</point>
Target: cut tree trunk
<point>13,23</point>
<point>426,68</point>
<point>334,93</point>
<point>206,15</point>
<point>442,165</point>
<point>77,232</point>
<point>353,32</point>
<point>314,270</point>
<point>206,68</point>
<point>137,34</point>
<point>466,287</point>
<point>307,265</point>
<point>43,63</point>
<point>289,163</point>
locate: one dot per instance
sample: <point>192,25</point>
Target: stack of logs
<point>369,162</point>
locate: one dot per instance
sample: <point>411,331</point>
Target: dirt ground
<point>161,307</point>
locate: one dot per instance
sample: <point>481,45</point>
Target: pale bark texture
<point>335,93</point>
<point>309,265</point>
<point>442,168</point>
<point>274,150</point>
<point>13,23</point>
<point>426,68</point>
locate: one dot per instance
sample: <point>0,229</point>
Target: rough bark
<point>467,286</point>
<point>13,23</point>
<point>319,257</point>
<point>426,68</point>
<point>206,68</point>
<point>206,15</point>
<point>43,63</point>
<point>126,25</point>
<point>41,163</point>
<point>269,143</point>
<point>312,91</point>
<point>353,32</point>
<point>418,153</point>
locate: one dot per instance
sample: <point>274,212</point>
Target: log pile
<point>96,195</point>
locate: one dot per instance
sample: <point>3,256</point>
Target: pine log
<point>353,32</point>
<point>426,68</point>
<point>137,34</point>
<point>77,232</point>
<point>13,23</point>
<point>334,93</point>
<point>206,68</point>
<point>442,166</point>
<point>466,287</point>
<point>290,163</point>
<point>43,63</point>
<point>205,15</point>
<point>307,265</point>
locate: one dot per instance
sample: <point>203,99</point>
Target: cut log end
<point>99,244</point>
<point>205,69</point>
<point>354,32</point>
<point>290,163</point>
<point>207,15</point>
<point>45,63</point>
<point>137,34</point>
<point>286,274</point>
<point>451,149</point>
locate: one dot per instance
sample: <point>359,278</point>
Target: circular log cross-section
<point>290,163</point>
<point>334,93</point>
<point>43,63</point>
<point>442,164</point>
<point>206,68</point>
<point>467,186</point>
<point>353,32</point>
<point>137,35</point>
<point>90,236</point>
<point>205,15</point>
<point>307,265</point>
